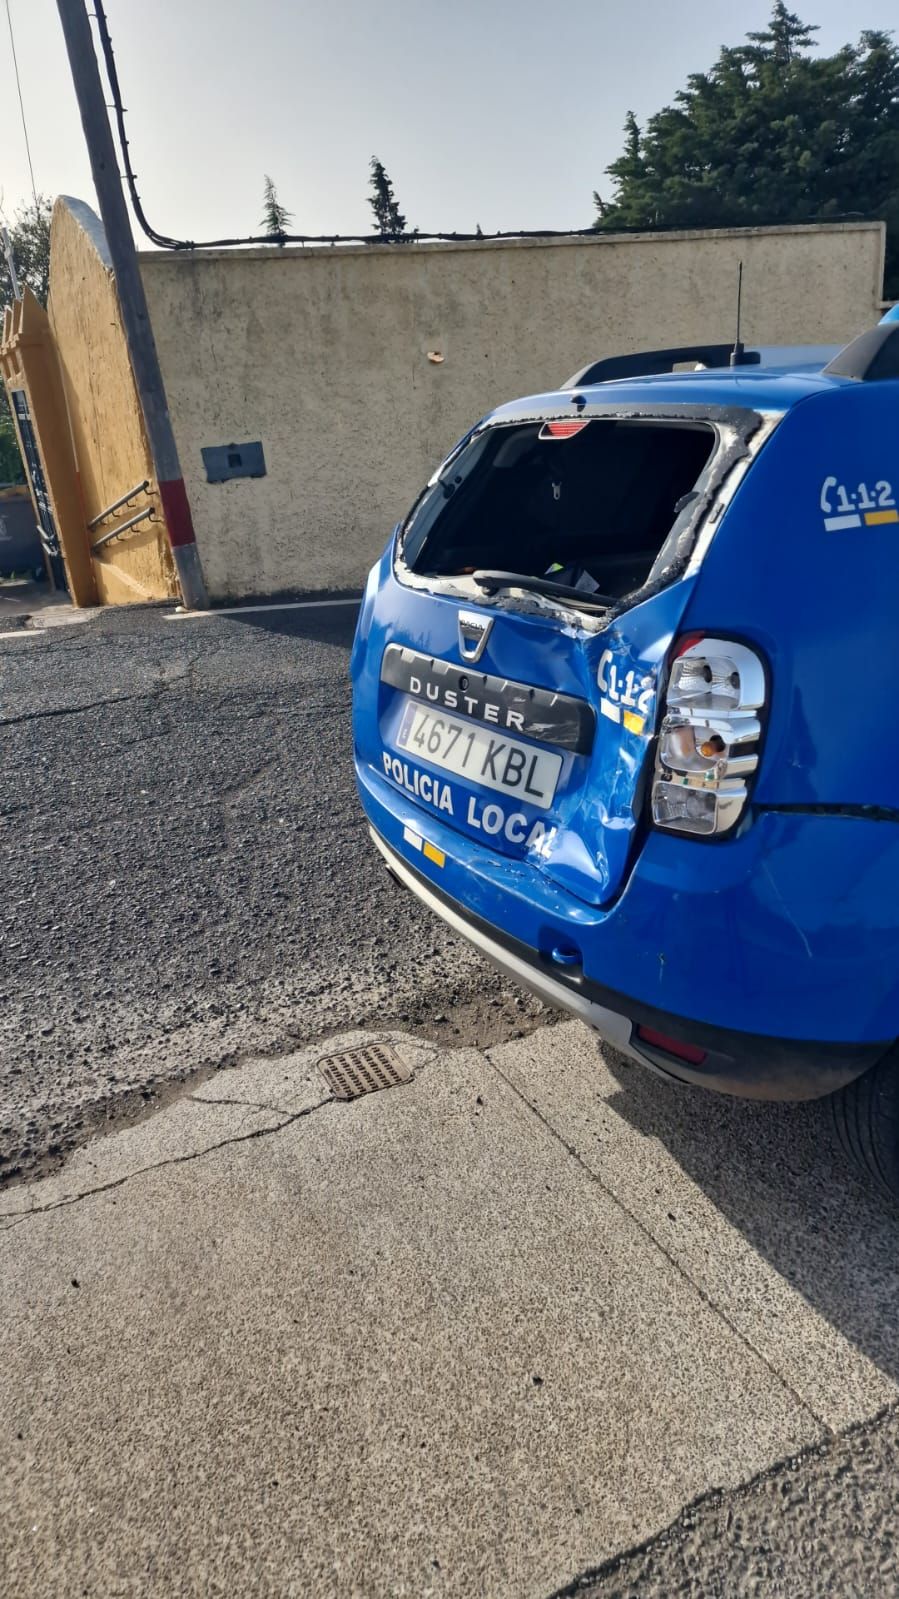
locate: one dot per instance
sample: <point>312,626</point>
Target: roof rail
<point>648,363</point>
<point>874,355</point>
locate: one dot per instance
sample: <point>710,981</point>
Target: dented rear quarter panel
<point>822,604</point>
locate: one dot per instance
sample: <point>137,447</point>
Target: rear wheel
<point>866,1119</point>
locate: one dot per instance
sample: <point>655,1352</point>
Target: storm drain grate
<point>363,1071</point>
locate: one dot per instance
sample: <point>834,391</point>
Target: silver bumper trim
<point>613,1028</point>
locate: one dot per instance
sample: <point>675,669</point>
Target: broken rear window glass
<point>590,510</point>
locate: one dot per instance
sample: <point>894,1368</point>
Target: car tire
<point>866,1121</point>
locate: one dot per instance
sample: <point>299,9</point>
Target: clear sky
<point>502,112</point>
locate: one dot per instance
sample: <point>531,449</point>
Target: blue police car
<point>625,688</point>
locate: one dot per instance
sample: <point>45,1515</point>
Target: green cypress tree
<point>770,134</point>
<point>389,220</point>
<point>629,174</point>
<point>785,39</point>
<point>276,219</point>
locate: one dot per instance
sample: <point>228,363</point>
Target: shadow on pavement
<point>334,624</point>
<point>21,599</point>
<point>775,1173</point>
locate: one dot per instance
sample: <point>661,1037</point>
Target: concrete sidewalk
<point>468,1336</point>
<point>37,606</point>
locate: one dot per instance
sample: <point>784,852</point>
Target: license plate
<point>489,759</point>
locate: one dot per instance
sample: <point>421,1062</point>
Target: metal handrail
<point>132,493</point>
<point>142,516</point>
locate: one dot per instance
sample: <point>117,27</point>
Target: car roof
<point>777,383</point>
<point>701,377</point>
<point>761,388</point>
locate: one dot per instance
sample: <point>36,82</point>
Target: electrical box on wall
<point>224,461</point>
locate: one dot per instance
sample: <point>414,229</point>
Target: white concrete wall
<point>323,355</point>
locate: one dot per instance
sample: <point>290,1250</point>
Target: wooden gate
<point>95,499</point>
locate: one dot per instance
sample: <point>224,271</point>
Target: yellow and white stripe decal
<point>424,846</point>
<point>616,713</point>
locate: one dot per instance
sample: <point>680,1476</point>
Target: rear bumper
<point>750,1065</point>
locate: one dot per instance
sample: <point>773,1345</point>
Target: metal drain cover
<point>363,1071</point>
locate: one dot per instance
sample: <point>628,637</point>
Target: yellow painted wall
<point>107,428</point>
<point>323,355</point>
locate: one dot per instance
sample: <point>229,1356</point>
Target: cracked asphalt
<point>533,1323</point>
<point>187,876</point>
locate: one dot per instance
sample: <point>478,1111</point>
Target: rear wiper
<point>492,582</point>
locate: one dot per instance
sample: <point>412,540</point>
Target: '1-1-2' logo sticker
<point>843,508</point>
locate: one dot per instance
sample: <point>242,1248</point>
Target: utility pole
<point>132,301</point>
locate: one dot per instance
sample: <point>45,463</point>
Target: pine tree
<point>389,220</point>
<point>769,134</point>
<point>786,37</point>
<point>276,219</point>
<point>628,171</point>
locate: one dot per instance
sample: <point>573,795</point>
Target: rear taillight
<point>709,738</point>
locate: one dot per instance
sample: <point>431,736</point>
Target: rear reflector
<point>672,1046</point>
<point>560,430</point>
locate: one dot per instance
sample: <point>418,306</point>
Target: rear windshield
<point>592,510</point>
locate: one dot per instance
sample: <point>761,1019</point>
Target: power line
<point>167,243</point>
<point>15,63</point>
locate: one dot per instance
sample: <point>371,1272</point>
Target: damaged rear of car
<point>603,718</point>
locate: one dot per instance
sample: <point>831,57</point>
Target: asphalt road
<point>713,1298</point>
<point>821,1524</point>
<point>186,872</point>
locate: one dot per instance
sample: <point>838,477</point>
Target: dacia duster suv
<point>625,713</point>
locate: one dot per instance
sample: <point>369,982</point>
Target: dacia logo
<point>474,632</point>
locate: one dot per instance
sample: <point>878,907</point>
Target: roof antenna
<point>736,354</point>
